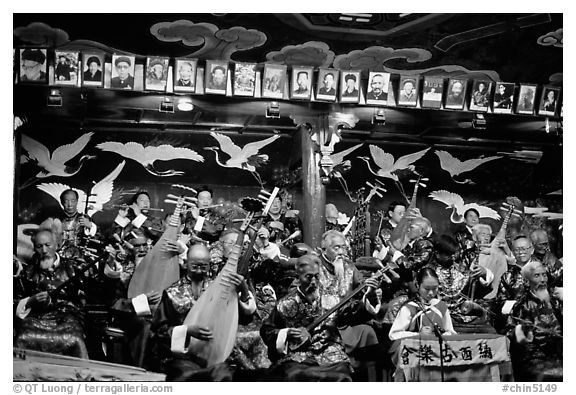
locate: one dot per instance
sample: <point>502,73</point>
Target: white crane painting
<point>456,203</point>
<point>101,192</point>
<point>341,166</point>
<point>386,164</point>
<point>146,156</point>
<point>455,166</point>
<point>246,158</point>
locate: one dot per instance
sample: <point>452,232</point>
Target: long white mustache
<point>339,267</point>
<point>543,294</point>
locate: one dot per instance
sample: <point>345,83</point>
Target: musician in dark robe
<point>541,243</point>
<point>75,226</point>
<point>282,224</point>
<point>535,329</point>
<point>203,220</point>
<point>332,216</point>
<point>50,322</point>
<point>322,357</point>
<point>464,236</point>
<point>136,216</point>
<point>419,252</point>
<point>131,315</point>
<point>171,336</point>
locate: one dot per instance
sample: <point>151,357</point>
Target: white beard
<point>339,268</point>
<point>46,263</point>
<point>542,294</point>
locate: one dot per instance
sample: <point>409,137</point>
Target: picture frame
<point>377,88</point>
<point>327,84</point>
<point>273,81</point>
<point>526,99</point>
<point>244,79</point>
<point>185,75</point>
<point>432,91</point>
<point>350,86</point>
<point>156,77</point>
<point>503,98</point>
<point>216,77</point>
<point>481,95</point>
<point>66,67</point>
<point>92,69</point>
<point>549,100</point>
<point>408,90</point>
<point>123,67</point>
<point>455,94</point>
<point>33,66</point>
<point>301,87</point>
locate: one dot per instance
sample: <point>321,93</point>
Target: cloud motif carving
<point>552,38</point>
<point>41,34</point>
<point>556,78</point>
<point>449,71</point>
<point>311,53</point>
<point>374,58</point>
<point>216,43</point>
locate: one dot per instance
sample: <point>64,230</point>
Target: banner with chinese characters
<point>470,349</point>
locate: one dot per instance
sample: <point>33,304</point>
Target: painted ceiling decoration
<point>42,35</point>
<point>311,53</point>
<point>374,58</point>
<point>552,38</point>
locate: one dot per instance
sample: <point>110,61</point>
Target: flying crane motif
<point>245,158</point>
<point>340,166</point>
<point>146,156</point>
<point>456,203</point>
<point>100,194</point>
<point>455,166</point>
<point>386,164</point>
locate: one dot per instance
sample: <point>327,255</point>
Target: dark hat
<point>154,62</point>
<point>120,59</point>
<point>219,67</point>
<point>93,59</point>
<point>350,77</point>
<point>409,80</point>
<point>35,55</point>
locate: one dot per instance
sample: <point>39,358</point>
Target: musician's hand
<point>123,212</point>
<point>294,334</point>
<point>85,221</point>
<point>373,284</point>
<point>153,297</point>
<point>235,280</point>
<point>38,300</point>
<point>200,333</point>
<point>412,213</point>
<point>558,293</point>
<point>195,211</point>
<point>172,246</point>
<point>136,209</point>
<point>478,271</point>
<point>523,335</point>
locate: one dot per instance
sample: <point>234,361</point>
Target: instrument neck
<point>175,218</point>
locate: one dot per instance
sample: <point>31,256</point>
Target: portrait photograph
<point>92,69</point>
<point>408,91</point>
<point>66,67</point>
<point>503,98</point>
<point>549,101</point>
<point>273,81</point>
<point>377,90</point>
<point>122,72</point>
<point>327,84</point>
<point>216,77</point>
<point>350,86</point>
<point>33,66</point>
<point>185,75</point>
<point>526,98</point>
<point>301,83</point>
<point>432,90</point>
<point>244,79</point>
<point>156,74</point>
<point>456,94</point>
<point>480,98</point>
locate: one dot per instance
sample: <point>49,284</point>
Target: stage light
<point>166,105</point>
<point>479,121</point>
<point>185,104</point>
<point>54,98</point>
<point>273,110</point>
<point>379,117</point>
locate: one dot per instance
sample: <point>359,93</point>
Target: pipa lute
<point>399,236</point>
<point>158,269</point>
<point>217,307</point>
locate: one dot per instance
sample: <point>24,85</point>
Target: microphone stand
<point>439,335</point>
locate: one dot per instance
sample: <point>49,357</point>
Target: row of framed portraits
<point>330,85</point>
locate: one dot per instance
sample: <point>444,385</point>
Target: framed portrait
<point>301,82</point>
<point>408,90</point>
<point>216,77</point>
<point>503,98</point>
<point>377,90</point>
<point>66,67</point>
<point>92,69</point>
<point>456,93</point>
<point>33,66</point>
<point>481,93</point>
<point>350,86</point>
<point>122,72</point>
<point>273,81</point>
<point>185,74</point>
<point>327,84</point>
<point>432,91</point>
<point>244,79</point>
<point>526,99</point>
<point>156,74</point>
<point>549,100</point>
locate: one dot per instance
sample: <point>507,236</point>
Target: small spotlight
<point>166,105</point>
<point>273,110</point>
<point>54,98</point>
<point>479,122</point>
<point>379,117</point>
<point>185,104</point>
